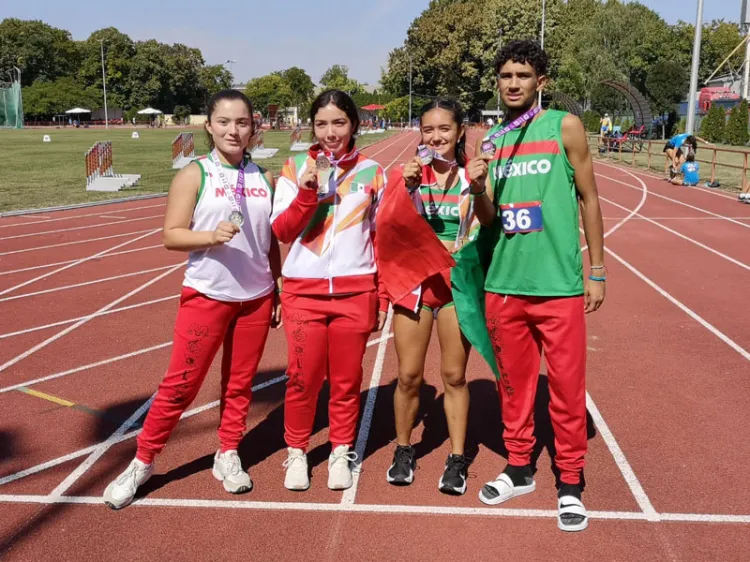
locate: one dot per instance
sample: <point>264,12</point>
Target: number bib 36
<point>522,217</point>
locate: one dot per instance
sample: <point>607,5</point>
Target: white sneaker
<point>339,472</point>
<point>121,491</point>
<point>296,470</point>
<point>228,470</point>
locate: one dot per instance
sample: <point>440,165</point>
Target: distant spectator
<point>690,171</point>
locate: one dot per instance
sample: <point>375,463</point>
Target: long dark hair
<point>229,95</point>
<point>457,112</point>
<point>344,103</point>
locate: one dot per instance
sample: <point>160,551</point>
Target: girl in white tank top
<point>219,210</point>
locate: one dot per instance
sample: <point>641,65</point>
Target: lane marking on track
<point>71,320</point>
<point>76,216</point>
<point>124,437</point>
<point>102,448</point>
<point>692,219</point>
<point>111,217</point>
<point>716,192</point>
<point>74,228</point>
<point>683,236</point>
<point>87,241</point>
<point>85,319</point>
<point>379,509</point>
<point>75,263</point>
<point>48,397</point>
<point>350,495</point>
<point>86,283</point>
<point>29,217</point>
<point>46,265</point>
<point>678,202</point>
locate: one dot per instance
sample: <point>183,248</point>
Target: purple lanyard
<point>488,143</point>
<point>239,189</point>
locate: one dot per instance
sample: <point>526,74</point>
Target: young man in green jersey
<point>538,173</point>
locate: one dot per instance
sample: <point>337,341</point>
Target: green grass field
<point>728,168</point>
<point>34,174</point>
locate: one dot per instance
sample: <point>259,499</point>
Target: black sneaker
<point>404,464</point>
<point>453,481</point>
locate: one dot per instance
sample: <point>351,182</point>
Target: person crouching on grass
<point>325,207</point>
<point>690,171</point>
<point>218,210</point>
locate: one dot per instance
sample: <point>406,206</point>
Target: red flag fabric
<point>408,251</point>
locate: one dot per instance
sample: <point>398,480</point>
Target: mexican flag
<point>408,252</point>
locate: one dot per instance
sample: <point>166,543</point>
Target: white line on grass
<point>87,241</point>
<point>71,229</point>
<point>75,263</point>
<point>86,283</point>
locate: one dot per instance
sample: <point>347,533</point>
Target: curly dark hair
<point>523,51</point>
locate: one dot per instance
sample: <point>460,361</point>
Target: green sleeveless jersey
<point>538,251</point>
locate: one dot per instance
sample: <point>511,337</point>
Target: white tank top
<point>238,270</point>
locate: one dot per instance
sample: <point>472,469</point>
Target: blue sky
<point>268,35</point>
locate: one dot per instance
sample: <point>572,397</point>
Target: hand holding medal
<point>224,232</point>
<point>324,171</point>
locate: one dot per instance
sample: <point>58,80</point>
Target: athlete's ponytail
<point>457,112</point>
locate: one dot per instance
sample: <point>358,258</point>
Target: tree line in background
<point>453,43</point>
<point>59,73</point>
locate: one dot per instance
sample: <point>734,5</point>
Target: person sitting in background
<point>690,171</point>
<point>745,195</point>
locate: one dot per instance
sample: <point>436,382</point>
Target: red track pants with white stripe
<point>202,325</point>
<point>326,336</point>
<point>520,328</point>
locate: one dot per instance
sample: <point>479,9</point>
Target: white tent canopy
<point>77,110</point>
<point>149,111</point>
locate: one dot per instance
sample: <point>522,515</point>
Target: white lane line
<point>124,437</point>
<point>379,508</point>
<point>77,262</point>
<point>76,216</point>
<point>86,283</point>
<point>29,217</point>
<point>684,237</point>
<point>81,322</point>
<point>71,320</point>
<point>675,200</point>
<point>102,448</point>
<point>111,217</point>
<point>695,316</point>
<point>46,265</point>
<point>395,141</point>
<point>716,192</point>
<point>88,240</point>
<point>110,223</point>
<point>622,462</point>
<point>364,429</point>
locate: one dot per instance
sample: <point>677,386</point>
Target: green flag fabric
<point>467,281</point>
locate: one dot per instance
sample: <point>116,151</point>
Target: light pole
<point>231,67</point>
<point>694,70</point>
<point>410,90</point>
<point>544,19</point>
<point>104,84</point>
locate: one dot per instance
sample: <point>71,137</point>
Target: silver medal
<point>488,148</point>
<point>322,163</point>
<point>236,218</point>
<point>425,154</point>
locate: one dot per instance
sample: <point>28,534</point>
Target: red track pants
<point>326,336</point>
<point>202,325</point>
<point>520,328</point>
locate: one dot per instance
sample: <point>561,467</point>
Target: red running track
<point>667,381</point>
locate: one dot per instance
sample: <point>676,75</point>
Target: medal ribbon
<point>239,190</point>
<point>518,122</point>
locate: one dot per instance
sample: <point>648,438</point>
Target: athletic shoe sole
<point>229,487</point>
<point>451,490</point>
<point>400,481</point>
